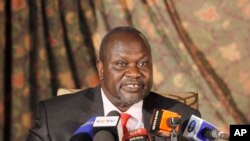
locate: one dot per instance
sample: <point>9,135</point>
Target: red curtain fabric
<point>197,45</point>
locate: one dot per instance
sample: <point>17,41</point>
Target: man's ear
<point>99,65</point>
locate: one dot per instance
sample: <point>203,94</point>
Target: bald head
<point>120,34</point>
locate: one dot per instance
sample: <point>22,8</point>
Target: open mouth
<point>132,88</point>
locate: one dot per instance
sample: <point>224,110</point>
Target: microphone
<point>164,122</point>
<point>103,136</point>
<point>140,134</point>
<point>84,132</point>
<point>215,134</point>
<point>110,123</point>
<point>200,130</point>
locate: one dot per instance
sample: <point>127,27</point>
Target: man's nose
<point>133,72</point>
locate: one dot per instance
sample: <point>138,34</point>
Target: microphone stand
<point>174,122</point>
<point>173,135</point>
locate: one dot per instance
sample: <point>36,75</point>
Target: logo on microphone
<point>106,121</point>
<point>191,126</point>
<point>155,120</point>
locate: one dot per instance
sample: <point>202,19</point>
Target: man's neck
<point>121,106</point>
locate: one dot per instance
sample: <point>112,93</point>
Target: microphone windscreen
<point>81,137</point>
<point>113,113</point>
<point>103,135</point>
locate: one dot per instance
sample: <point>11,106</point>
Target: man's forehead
<point>125,38</point>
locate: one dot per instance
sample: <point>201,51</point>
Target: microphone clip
<point>174,122</point>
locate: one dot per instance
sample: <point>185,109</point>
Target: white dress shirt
<point>135,122</point>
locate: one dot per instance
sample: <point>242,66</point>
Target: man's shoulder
<point>153,96</point>
<point>159,101</point>
<point>79,96</point>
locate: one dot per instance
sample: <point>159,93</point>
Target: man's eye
<point>121,64</point>
<point>143,64</point>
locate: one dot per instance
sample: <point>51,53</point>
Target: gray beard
<point>130,100</point>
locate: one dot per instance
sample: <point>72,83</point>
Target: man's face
<point>126,69</point>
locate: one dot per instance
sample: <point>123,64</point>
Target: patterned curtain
<point>197,45</point>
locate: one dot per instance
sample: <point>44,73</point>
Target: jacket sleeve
<point>39,132</point>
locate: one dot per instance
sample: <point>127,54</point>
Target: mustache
<point>129,81</point>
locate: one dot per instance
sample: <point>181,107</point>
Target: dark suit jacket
<point>57,118</point>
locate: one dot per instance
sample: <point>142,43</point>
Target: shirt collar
<point>135,110</point>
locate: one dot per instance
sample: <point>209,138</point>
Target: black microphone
<point>110,123</point>
<point>103,135</point>
<point>84,132</point>
<point>214,134</point>
<point>200,130</point>
<point>173,121</point>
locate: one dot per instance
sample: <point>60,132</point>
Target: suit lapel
<point>146,118</point>
<point>147,110</point>
<point>93,107</point>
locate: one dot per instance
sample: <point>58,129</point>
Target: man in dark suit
<point>126,72</point>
